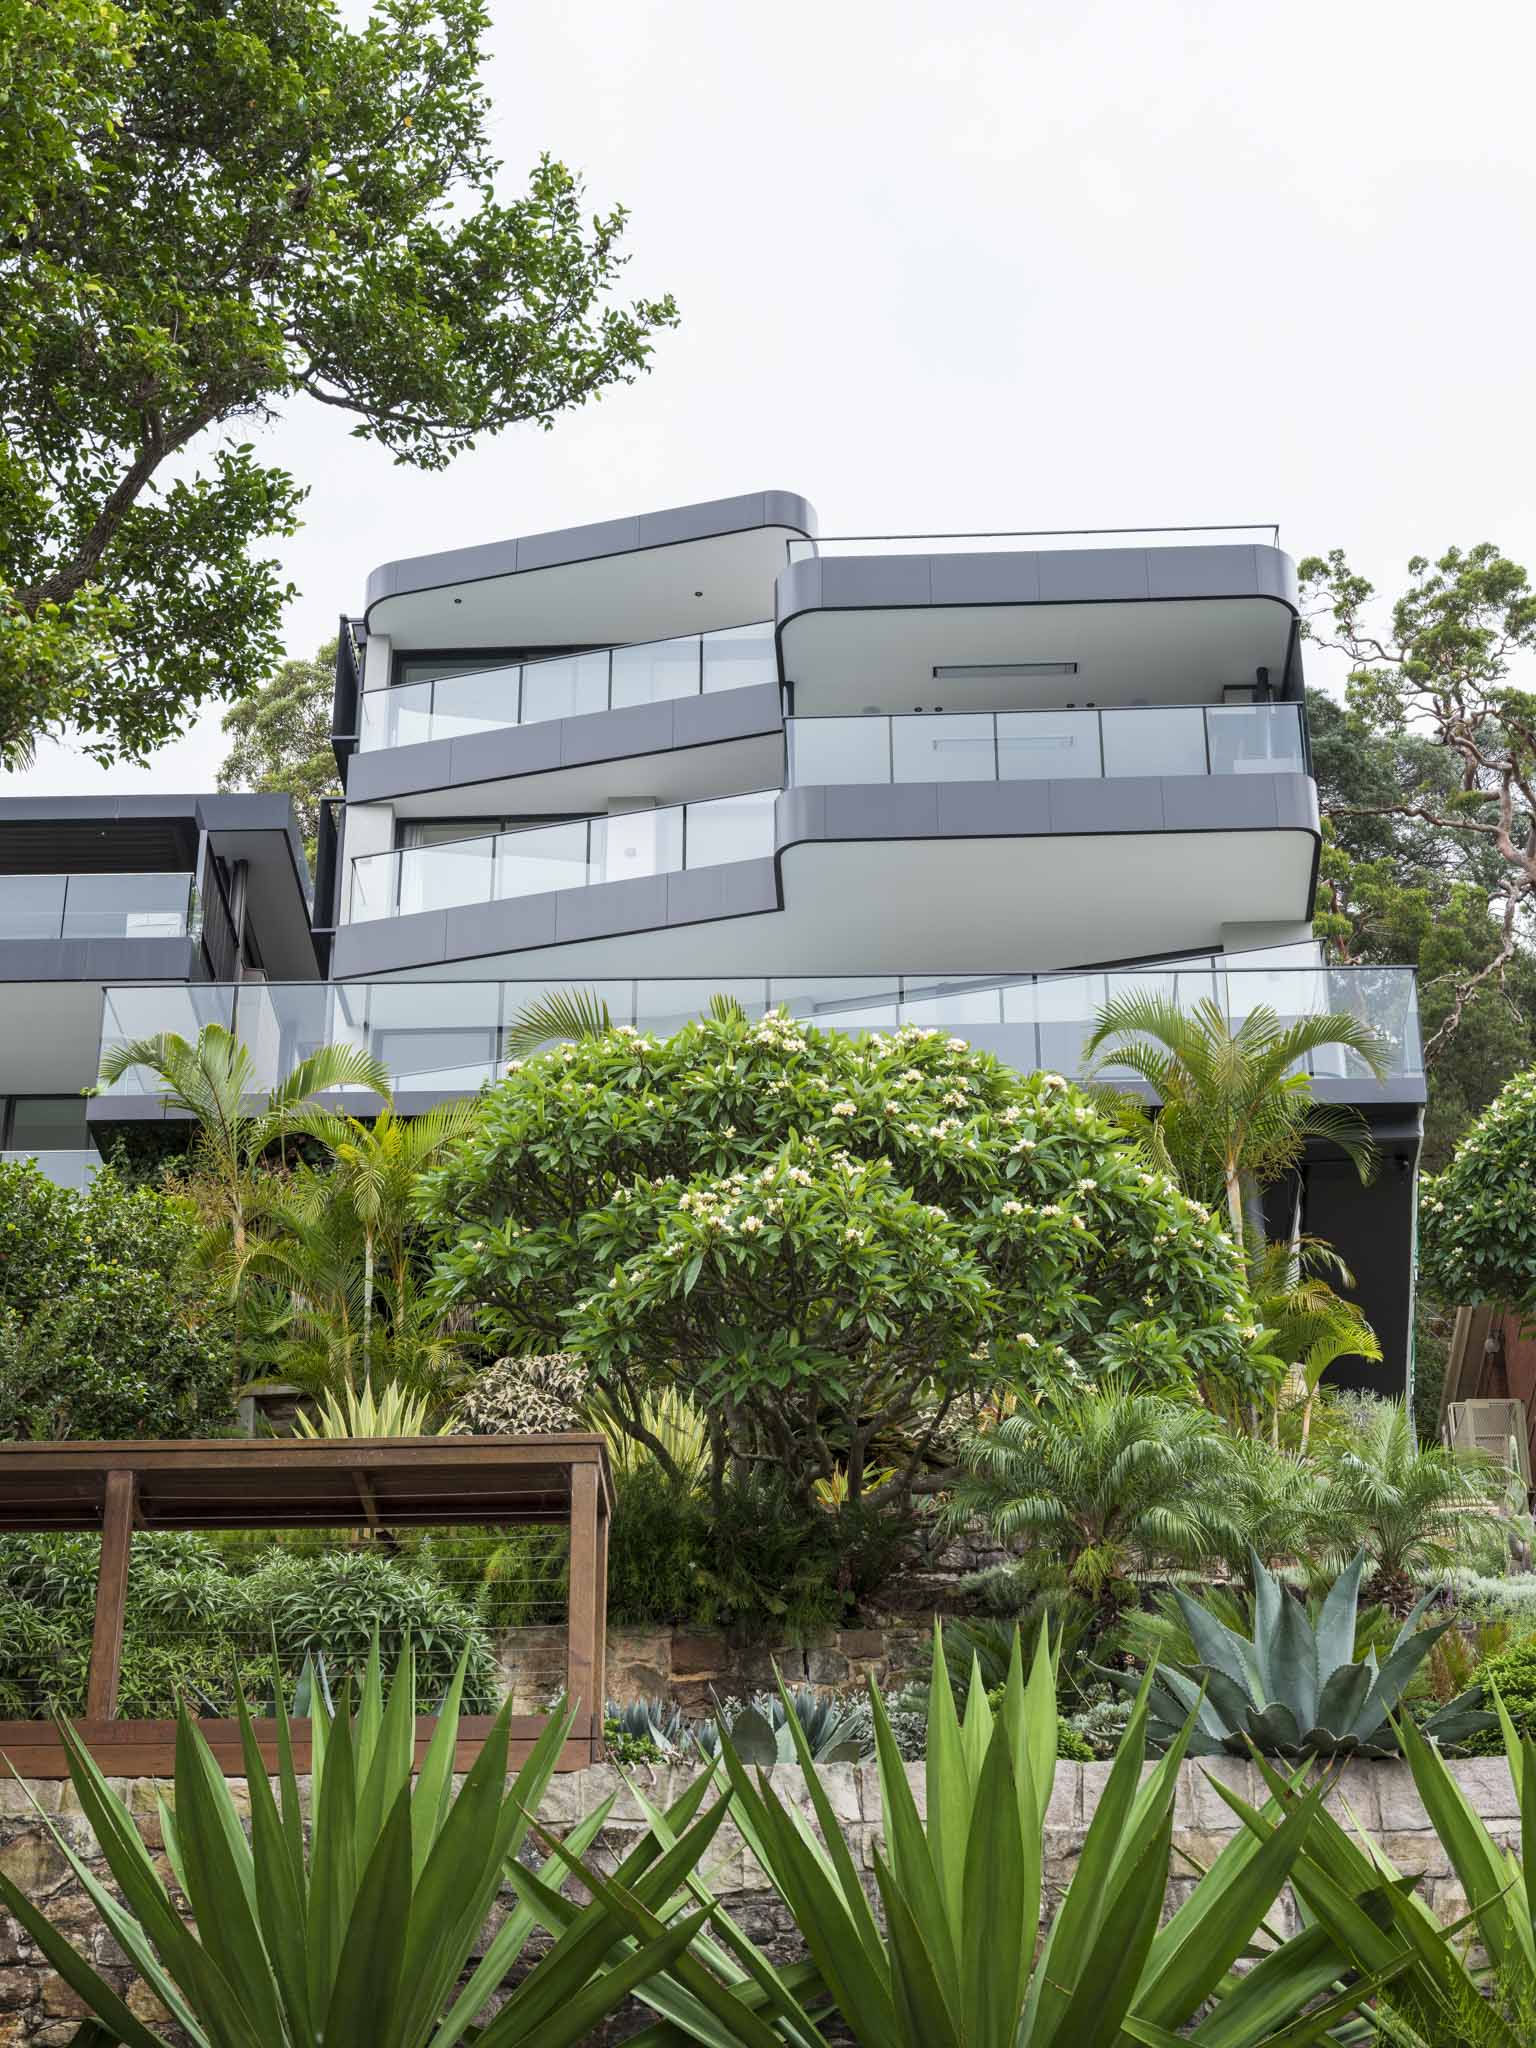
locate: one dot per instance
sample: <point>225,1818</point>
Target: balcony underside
<point>872,905</point>
<point>688,569</point>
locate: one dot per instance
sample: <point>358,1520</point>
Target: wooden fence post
<point>111,1593</point>
<point>584,1650</point>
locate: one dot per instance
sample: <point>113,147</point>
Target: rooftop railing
<point>536,858</point>
<point>1265,533</point>
<point>147,906</point>
<point>567,686</point>
<point>1030,746</point>
<point>441,1038</point>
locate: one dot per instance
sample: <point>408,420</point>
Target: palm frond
<point>561,1015</point>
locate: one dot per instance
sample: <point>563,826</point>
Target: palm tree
<point>214,1082</point>
<point>1310,1327</point>
<point>1405,1499</point>
<point>1102,1485</point>
<point>1237,1106</point>
<point>375,1170</point>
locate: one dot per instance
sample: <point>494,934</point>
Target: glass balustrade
<point>536,859</point>
<point>458,705</point>
<point>1027,746</point>
<point>442,1038</point>
<point>149,906</point>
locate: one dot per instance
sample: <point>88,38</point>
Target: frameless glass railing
<point>536,858</point>
<point>566,686</point>
<point>151,906</point>
<point>803,549</point>
<point>1031,746</point>
<point>446,1037</point>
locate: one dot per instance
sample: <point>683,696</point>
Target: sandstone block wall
<point>38,2011</point>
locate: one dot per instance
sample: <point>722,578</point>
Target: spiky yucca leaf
<point>360,1935</point>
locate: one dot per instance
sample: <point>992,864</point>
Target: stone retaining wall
<point>38,2011</point>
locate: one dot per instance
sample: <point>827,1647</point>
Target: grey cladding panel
<point>986,810</point>
<point>611,735</point>
<point>1093,575</point>
<point>1130,804</point>
<point>907,810</point>
<point>509,924</point>
<point>726,715</point>
<point>606,908</point>
<point>986,579</point>
<point>851,581</point>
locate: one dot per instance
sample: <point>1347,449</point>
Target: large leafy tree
<point>209,208</point>
<point>1437,679</point>
<point>280,739</point>
<point>831,1241</point>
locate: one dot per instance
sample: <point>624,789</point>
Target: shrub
<point>104,1331</point>
<point>534,1396</point>
<point>757,1561</point>
<point>831,1241</point>
<point>200,1626</point>
<point>1512,1674</point>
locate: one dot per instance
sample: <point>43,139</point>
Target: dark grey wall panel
<point>615,735</point>
<point>1106,575</point>
<point>100,960</point>
<point>606,908</point>
<point>507,926</point>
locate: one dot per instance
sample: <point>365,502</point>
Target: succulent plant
<point>1295,1690</point>
<point>835,1732</point>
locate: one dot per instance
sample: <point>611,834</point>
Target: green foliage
<point>203,1623</point>
<point>829,1241</point>
<point>209,210</point>
<point>1407,1501</point>
<point>1479,1216</point>
<point>1473,1984</point>
<point>756,1560</point>
<point>359,1928</point>
<point>1101,1486</point>
<point>955,1961</point>
<point>1435,680</point>
<point>280,740</point>
<point>1294,1687</point>
<point>105,1331</point>
<point>1509,1674</point>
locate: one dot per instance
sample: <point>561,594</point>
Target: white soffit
<point>691,586</point>
<point>962,906</point>
<point>1173,651</point>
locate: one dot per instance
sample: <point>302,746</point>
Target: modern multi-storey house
<point>975,782</point>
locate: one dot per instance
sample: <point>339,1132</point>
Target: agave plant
<point>1294,1689</point>
<point>362,1934</point>
<point>958,1961</point>
<point>362,1411</point>
<point>759,1731</point>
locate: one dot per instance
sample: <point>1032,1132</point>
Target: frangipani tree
<point>833,1241</point>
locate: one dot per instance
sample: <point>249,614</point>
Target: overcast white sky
<point>948,267</point>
